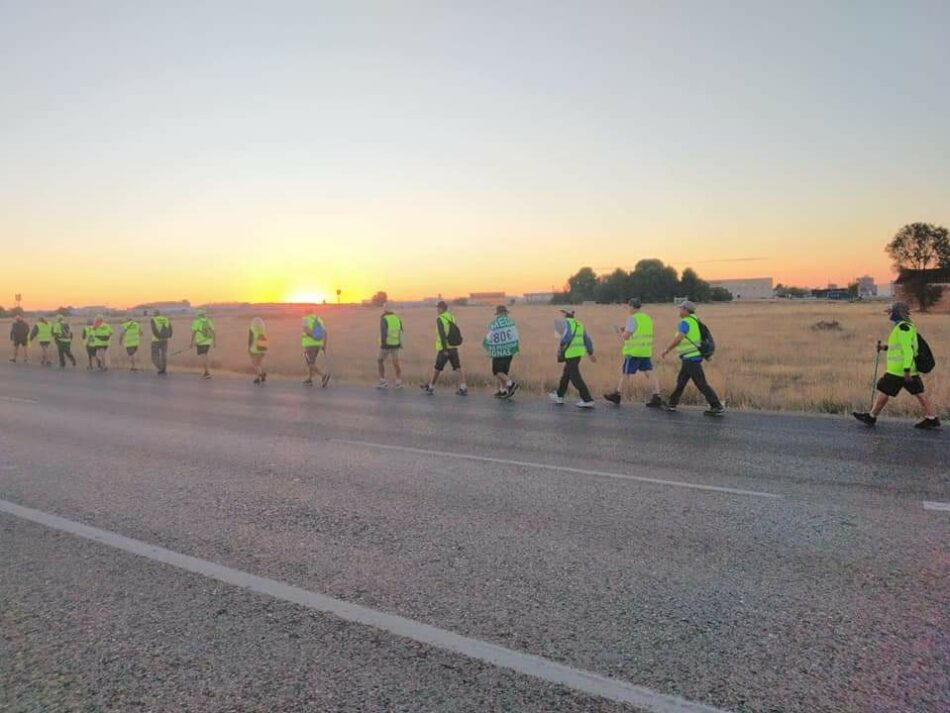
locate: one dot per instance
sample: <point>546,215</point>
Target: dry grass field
<point>768,356</point>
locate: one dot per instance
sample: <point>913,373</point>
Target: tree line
<point>650,280</point>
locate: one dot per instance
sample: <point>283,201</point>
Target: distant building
<point>487,298</point>
<point>179,307</point>
<point>538,298</point>
<point>830,293</point>
<point>938,277</point>
<point>91,310</point>
<point>866,287</point>
<point>752,288</point>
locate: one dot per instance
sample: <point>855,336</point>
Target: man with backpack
<point>448,339</point>
<point>20,336</point>
<point>904,364</point>
<point>693,343</point>
<point>203,338</point>
<point>313,339</point>
<point>161,333</point>
<point>63,336</point>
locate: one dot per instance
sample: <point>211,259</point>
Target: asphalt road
<point>351,550</point>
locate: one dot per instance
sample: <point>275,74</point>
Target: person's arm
<point>34,332</point>
<point>155,332</point>
<point>193,333</point>
<point>907,342</point>
<point>382,331</point>
<point>440,326</point>
<point>250,339</point>
<point>214,334</point>
<point>629,330</point>
<point>589,346</point>
<point>680,336</point>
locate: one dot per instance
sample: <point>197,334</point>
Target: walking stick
<point>877,360</point>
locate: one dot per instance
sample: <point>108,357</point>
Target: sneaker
<point>864,417</point>
<point>501,394</point>
<point>671,408</point>
<point>655,402</point>
<point>206,375</point>
<point>714,411</point>
<point>308,382</point>
<point>427,388</point>
<point>929,424</point>
<point>613,397</point>
<point>585,404</point>
<point>257,380</point>
<point>325,381</point>
<point>398,384</point>
<point>511,389</point>
<point>461,392</point>
<point>382,384</point>
<point>555,398</point>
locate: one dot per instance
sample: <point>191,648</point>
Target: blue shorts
<point>631,365</point>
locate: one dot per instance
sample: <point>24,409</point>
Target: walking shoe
<point>427,388</point>
<point>501,394</point>
<point>585,404</point>
<point>325,381</point>
<point>510,391</point>
<point>398,384</point>
<point>864,417</point>
<point>308,382</point>
<point>13,360</point>
<point>671,408</point>
<point>655,402</point>
<point>555,398</point>
<point>257,380</point>
<point>613,397</point>
<point>928,424</point>
<point>206,375</point>
<point>382,384</point>
<point>714,411</point>
<point>461,391</point>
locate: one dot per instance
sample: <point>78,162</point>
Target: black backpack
<point>707,345</point>
<point>454,336</point>
<point>924,359</point>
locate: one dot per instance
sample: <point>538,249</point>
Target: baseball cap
<point>634,302</point>
<point>567,312</point>
<point>688,306</point>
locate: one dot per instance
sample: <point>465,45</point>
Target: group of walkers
<point>692,343</point>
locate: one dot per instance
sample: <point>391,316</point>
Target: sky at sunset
<point>276,151</point>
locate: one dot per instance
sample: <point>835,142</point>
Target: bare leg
<point>435,377</point>
<point>654,382</point>
<point>381,368</point>
<point>879,402</point>
<point>397,368</point>
<point>927,405</point>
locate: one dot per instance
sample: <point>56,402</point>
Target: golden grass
<point>768,356</point>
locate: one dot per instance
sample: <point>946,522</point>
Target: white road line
<point>560,468</point>
<point>535,666</point>
<point>930,505</point>
<point>18,400</point>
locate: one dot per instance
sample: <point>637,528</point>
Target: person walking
<point>42,333</point>
<point>257,348</point>
<point>575,343</point>
<point>20,336</point>
<point>902,373</point>
<point>131,338</point>
<point>687,345</point>
<point>313,339</point>
<point>502,343</point>
<point>89,342</point>
<point>202,339</point>
<point>101,336</point>
<point>448,339</point>
<point>161,332</point>
<point>637,351</point>
<point>63,336</point>
<point>390,343</point>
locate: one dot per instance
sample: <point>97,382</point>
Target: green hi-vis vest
<point>203,329</point>
<point>902,349</point>
<point>62,333</point>
<point>44,332</point>
<point>393,330</point>
<point>101,335</point>
<point>258,341</point>
<point>159,322</point>
<point>88,336</point>
<point>640,343</point>
<point>575,348</point>
<point>688,348</point>
<point>307,339</point>
<point>131,333</point>
<point>447,318</point>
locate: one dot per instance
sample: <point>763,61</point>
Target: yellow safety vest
<point>640,343</point>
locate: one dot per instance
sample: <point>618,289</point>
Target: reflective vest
<point>575,348</point>
<point>902,349</point>
<point>446,318</point>
<point>88,336</point>
<point>307,339</point>
<point>158,323</point>
<point>258,341</point>
<point>62,333</point>
<point>640,343</point>
<point>203,329</point>
<point>44,332</point>
<point>131,333</point>
<point>101,335</point>
<point>393,330</point>
<point>688,348</point>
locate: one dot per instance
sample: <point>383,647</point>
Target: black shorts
<point>90,351</point>
<point>203,349</point>
<point>310,354</point>
<point>891,384</point>
<point>501,365</point>
<point>131,350</point>
<point>448,356</point>
<point>19,341</point>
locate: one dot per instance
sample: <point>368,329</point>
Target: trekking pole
<point>877,360</point>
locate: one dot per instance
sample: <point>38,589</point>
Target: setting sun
<point>307,296</point>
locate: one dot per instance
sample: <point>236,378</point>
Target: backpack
<point>453,337</point>
<point>924,359</point>
<point>261,342</point>
<point>166,331</point>
<point>318,331</point>
<point>66,334</point>
<point>707,345</point>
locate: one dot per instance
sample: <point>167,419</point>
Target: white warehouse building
<point>752,288</point>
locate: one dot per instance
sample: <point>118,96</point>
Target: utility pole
<point>338,293</point>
